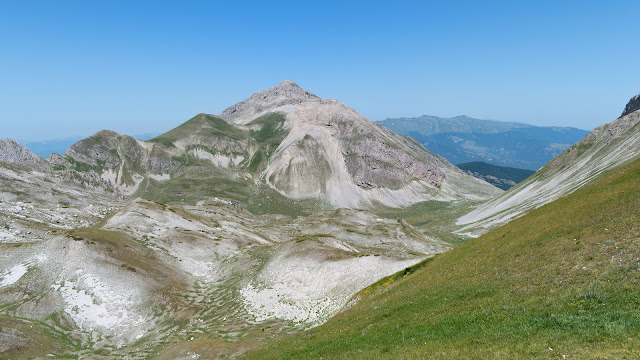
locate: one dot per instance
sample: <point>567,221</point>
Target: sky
<point>71,68</point>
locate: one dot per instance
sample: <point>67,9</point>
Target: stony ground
<point>85,272</point>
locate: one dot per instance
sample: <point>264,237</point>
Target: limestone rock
<point>285,93</point>
<point>58,161</point>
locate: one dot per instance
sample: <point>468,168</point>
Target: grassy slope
<point>214,126</point>
<point>562,280</point>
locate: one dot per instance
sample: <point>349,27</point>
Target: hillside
<point>463,139</point>
<point>606,147</point>
<point>499,176</point>
<point>560,282</point>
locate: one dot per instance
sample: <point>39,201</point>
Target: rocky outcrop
<point>58,161</point>
<point>285,93</point>
<point>13,152</point>
<point>632,105</point>
<point>612,130</point>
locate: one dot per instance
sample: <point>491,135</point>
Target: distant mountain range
<point>462,139</point>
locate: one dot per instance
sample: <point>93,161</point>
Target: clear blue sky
<point>75,67</point>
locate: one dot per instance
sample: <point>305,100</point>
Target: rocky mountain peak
<point>268,100</point>
<point>632,105</point>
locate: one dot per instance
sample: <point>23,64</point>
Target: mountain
<point>499,176</point>
<point>286,142</point>
<point>605,148</point>
<point>230,231</point>
<point>463,139</point>
<point>558,283</point>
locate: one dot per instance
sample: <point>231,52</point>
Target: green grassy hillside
<point>560,282</point>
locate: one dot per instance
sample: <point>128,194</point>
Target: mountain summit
<point>285,93</point>
<point>333,153</point>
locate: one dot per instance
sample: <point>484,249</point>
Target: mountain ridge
<point>608,146</point>
<point>13,152</point>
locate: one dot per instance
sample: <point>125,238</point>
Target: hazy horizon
<point>148,135</point>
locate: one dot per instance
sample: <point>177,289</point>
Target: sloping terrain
<point>560,282</point>
<point>498,176</point>
<point>463,139</point>
<point>606,147</point>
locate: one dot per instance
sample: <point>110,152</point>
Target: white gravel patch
<point>93,305</point>
<point>18,271</point>
<point>14,274</point>
<point>284,303</point>
<point>306,289</point>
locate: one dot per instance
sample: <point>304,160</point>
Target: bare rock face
<point>13,152</point>
<point>285,93</point>
<point>632,105</point>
